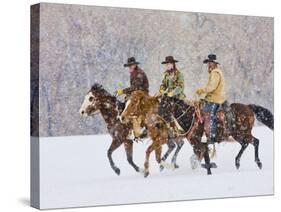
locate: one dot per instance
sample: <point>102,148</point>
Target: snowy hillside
<point>81,45</point>
<point>75,172</point>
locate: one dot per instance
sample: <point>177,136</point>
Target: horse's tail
<point>263,115</point>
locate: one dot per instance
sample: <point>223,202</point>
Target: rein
<point>177,132</point>
<point>192,122</point>
<point>197,114</point>
<point>191,125</point>
<point>183,112</point>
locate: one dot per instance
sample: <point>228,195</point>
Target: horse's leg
<point>158,151</point>
<point>256,145</point>
<point>114,145</point>
<point>146,163</point>
<point>244,145</point>
<point>171,146</point>
<point>174,158</point>
<point>129,153</point>
<point>207,162</point>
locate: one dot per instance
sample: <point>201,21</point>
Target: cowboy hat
<point>169,59</point>
<point>131,61</point>
<point>211,58</point>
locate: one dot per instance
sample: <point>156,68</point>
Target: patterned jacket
<point>138,81</point>
<point>173,81</point>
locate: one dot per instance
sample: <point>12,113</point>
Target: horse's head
<point>93,101</point>
<point>133,107</point>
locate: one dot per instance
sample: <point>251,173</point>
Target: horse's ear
<point>96,87</point>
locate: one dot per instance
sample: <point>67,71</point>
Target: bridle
<point>103,103</point>
<point>181,115</point>
<point>92,104</point>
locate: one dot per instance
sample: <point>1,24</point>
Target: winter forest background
<point>81,45</point>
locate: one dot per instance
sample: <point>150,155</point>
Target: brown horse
<point>98,100</point>
<point>145,110</point>
<point>142,110</point>
<point>243,122</point>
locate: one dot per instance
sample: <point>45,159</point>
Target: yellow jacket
<point>215,88</point>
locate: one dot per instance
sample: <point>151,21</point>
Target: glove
<point>119,91</point>
<point>200,91</point>
<point>170,94</point>
<point>161,90</point>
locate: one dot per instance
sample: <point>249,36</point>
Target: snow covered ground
<point>74,171</point>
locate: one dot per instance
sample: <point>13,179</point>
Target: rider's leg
<point>212,108</point>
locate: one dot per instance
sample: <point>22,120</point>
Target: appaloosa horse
<point>172,109</point>
<point>98,100</point>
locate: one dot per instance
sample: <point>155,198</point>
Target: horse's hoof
<point>161,167</point>
<point>176,166</point>
<point>146,174</point>
<point>117,171</point>
<point>237,163</point>
<point>214,165</point>
<point>209,173</point>
<point>167,165</point>
<point>259,165</point>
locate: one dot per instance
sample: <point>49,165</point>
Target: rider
<point>138,81</point>
<point>215,94</point>
<point>138,78</point>
<point>172,80</point>
<point>172,85</point>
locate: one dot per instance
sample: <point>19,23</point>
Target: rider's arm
<point>136,85</point>
<point>213,82</point>
<point>163,86</point>
<point>128,90</point>
<point>180,85</point>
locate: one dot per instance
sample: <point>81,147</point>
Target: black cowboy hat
<point>131,61</point>
<point>211,58</point>
<point>169,59</point>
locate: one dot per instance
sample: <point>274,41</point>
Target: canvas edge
<point>34,134</point>
<point>34,106</point>
<point>152,9</point>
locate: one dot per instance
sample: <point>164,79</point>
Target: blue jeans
<point>212,108</point>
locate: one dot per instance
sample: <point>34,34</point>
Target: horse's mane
<point>179,102</point>
<point>99,88</point>
<point>182,103</point>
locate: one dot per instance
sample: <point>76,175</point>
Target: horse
<point>243,121</point>
<point>98,100</point>
<point>141,109</point>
